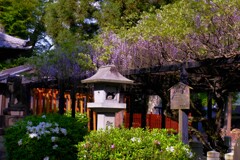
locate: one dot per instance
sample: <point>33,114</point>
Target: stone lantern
<point>107,99</point>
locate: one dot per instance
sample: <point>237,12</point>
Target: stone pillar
<point>236,153</point>
<point>228,156</point>
<point>213,155</point>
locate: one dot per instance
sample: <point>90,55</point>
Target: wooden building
<point>12,47</point>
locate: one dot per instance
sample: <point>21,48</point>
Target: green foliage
<point>132,144</point>
<point>24,19</point>
<point>103,45</point>
<point>10,63</point>
<point>65,20</point>
<point>19,18</point>
<point>197,28</point>
<point>172,20</point>
<point>84,60</point>
<point>38,137</point>
<point>125,13</point>
<point>208,11</point>
<point>178,19</point>
<point>81,118</point>
<point>202,96</point>
<point>68,20</point>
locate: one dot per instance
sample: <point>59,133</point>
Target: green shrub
<point>47,137</point>
<point>133,144</point>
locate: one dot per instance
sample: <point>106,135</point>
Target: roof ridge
<point>8,41</point>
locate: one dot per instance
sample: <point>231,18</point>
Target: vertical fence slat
<point>136,120</point>
<point>152,121</point>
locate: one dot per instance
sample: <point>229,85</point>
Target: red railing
<point>152,121</point>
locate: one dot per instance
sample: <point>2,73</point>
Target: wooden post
<point>47,100</point>
<point>40,102</point>
<point>85,100</point>
<point>183,117</point>
<point>61,101</point>
<point>183,126</point>
<point>131,110</point>
<point>81,104</point>
<point>229,114</point>
<point>88,115</point>
<point>163,117</point>
<point>3,103</point>
<point>72,99</point>
<point>54,101</point>
<point>32,101</point>
<point>77,104</point>
<point>44,102</point>
<point>180,99</point>
<point>68,102</point>
<point>51,100</point>
<point>124,117</point>
<point>94,121</point>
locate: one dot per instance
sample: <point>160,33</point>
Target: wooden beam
<point>89,123</point>
<point>173,66</point>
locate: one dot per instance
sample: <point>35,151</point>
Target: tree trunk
<point>61,96</point>
<point>73,98</point>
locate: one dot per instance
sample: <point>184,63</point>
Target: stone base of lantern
<point>107,106</point>
<point>105,120</point>
<point>106,113</point>
<point>12,119</point>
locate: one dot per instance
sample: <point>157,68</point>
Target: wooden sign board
<point>180,96</point>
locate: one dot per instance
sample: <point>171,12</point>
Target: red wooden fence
<point>152,121</point>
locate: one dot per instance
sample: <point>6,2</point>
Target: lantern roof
<point>108,74</point>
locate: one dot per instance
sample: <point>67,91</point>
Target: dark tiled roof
<point>16,71</point>
<point>7,41</point>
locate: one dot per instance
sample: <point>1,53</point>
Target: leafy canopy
<point>24,19</point>
<point>20,18</point>
<point>125,13</point>
<point>66,20</point>
<point>177,32</point>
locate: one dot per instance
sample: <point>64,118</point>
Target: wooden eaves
<point>200,73</point>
